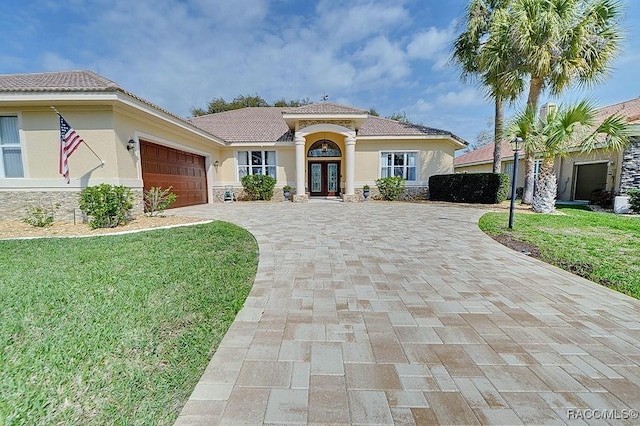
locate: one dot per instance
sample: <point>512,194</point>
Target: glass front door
<point>324,178</point>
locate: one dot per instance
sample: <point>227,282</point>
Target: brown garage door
<point>184,171</point>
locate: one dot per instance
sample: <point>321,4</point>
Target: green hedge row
<point>483,188</point>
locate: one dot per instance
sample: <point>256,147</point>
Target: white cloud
<point>52,61</point>
<point>359,19</point>
<point>380,59</point>
<point>434,44</point>
<point>463,98</point>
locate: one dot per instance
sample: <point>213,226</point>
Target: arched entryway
<point>324,168</point>
<point>302,159</point>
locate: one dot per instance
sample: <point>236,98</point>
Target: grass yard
<point>602,247</point>
<point>116,329</point>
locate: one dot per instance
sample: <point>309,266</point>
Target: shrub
<point>40,216</point>
<point>156,200</point>
<point>258,187</point>
<point>483,188</point>
<point>391,187</point>
<point>634,200</point>
<point>602,198</point>
<point>108,205</point>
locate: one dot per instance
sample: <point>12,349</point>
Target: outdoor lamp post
<point>515,143</point>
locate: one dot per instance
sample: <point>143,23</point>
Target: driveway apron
<point>383,313</point>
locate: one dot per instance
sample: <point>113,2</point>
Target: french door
<point>324,178</point>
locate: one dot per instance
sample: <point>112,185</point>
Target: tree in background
<point>220,105</point>
<point>560,131</point>
<point>485,51</point>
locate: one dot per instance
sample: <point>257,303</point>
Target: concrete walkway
<point>378,313</point>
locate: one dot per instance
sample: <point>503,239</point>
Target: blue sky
<point>388,54</point>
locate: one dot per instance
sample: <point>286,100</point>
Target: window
<point>401,164</point>
<point>256,163</point>
<point>10,151</point>
<point>324,148</point>
<point>536,169</point>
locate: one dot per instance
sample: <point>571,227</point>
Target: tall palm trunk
<point>544,200</point>
<point>497,134</point>
<point>535,89</point>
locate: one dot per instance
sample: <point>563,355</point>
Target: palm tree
<point>560,131</point>
<point>484,52</point>
<point>559,43</point>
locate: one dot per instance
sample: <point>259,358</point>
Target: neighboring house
<point>578,173</point>
<point>321,149</point>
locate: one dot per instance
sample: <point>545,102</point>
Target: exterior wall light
<point>131,144</point>
<point>216,164</point>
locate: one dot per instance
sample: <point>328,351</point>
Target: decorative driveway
<point>376,313</point>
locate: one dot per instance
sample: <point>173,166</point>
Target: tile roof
<point>253,124</point>
<point>67,81</point>
<point>629,109</point>
<point>378,126</point>
<point>256,124</point>
<point>266,124</point>
<point>324,108</point>
<point>484,154</point>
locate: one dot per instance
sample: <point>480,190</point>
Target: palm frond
<point>613,133</point>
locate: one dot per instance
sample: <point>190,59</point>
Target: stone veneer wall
<point>630,178</point>
<point>410,193</point>
<point>14,205</point>
<point>218,194</point>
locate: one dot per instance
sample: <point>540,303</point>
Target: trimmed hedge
<point>482,188</point>
<point>258,187</point>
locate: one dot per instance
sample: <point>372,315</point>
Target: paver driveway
<point>380,313</point>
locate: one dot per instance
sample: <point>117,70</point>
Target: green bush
<point>258,187</point>
<point>40,216</point>
<point>156,200</point>
<point>483,188</point>
<point>391,187</point>
<point>107,205</point>
<point>602,198</point>
<point>634,200</point>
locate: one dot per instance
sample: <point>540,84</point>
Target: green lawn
<point>602,247</point>
<point>116,329</point>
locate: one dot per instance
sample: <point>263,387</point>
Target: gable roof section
<point>378,126</point>
<point>252,124</point>
<point>83,82</point>
<point>324,108</point>
<point>629,109</point>
<point>68,81</point>
<point>483,155</point>
<point>267,124</point>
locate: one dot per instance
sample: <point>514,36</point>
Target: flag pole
<point>85,142</point>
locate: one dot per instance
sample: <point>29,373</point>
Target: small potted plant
<point>365,192</point>
<point>287,192</point>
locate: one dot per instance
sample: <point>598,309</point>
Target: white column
<point>350,159</point>
<point>300,166</point>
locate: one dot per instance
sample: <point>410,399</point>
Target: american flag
<point>69,141</point>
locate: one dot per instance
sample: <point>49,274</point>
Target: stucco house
<point>322,149</point>
<point>578,174</point>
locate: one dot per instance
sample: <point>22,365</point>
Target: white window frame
<point>537,165</point>
<point>15,145</point>
<point>263,166</point>
<point>405,166</point>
